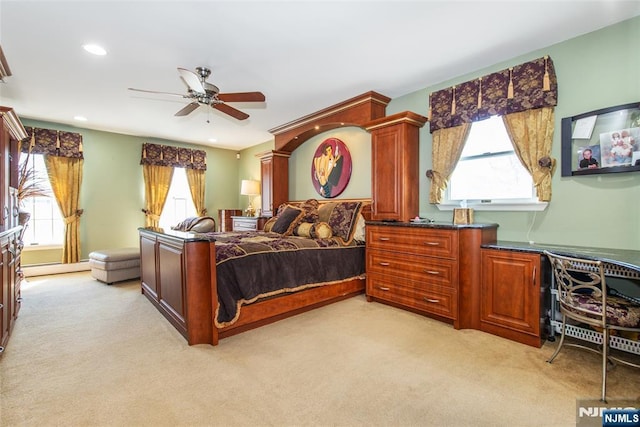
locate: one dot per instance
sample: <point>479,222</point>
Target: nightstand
<point>248,223</point>
<point>225,221</point>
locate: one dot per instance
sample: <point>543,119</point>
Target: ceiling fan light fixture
<point>94,49</point>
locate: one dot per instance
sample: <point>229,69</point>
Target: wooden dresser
<point>432,269</point>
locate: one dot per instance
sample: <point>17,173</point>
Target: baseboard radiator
<point>47,269</point>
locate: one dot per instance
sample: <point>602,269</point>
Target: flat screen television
<point>602,141</point>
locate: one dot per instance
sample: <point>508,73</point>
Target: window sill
<point>497,206</point>
<point>41,247</point>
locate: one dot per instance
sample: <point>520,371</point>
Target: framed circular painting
<point>331,168</point>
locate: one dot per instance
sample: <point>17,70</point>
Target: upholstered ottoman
<point>115,265</point>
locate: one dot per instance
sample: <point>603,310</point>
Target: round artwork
<point>331,168</point>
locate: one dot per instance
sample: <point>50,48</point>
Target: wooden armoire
<point>11,133</point>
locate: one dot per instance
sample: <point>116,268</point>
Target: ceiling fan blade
<point>192,80</point>
<point>188,109</point>
<point>242,97</point>
<point>159,93</point>
<point>230,111</point>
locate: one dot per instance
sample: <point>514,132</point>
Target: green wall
<point>597,70</point>
<point>112,192</point>
<point>594,71</point>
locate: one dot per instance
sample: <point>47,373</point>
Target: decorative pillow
<point>359,234</point>
<point>281,209</point>
<point>287,220</point>
<point>310,208</point>
<point>314,230</point>
<point>343,220</point>
<point>269,224</point>
<point>324,211</point>
<point>323,230</point>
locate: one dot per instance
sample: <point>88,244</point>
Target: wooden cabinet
<point>511,296</point>
<point>225,222</point>
<point>175,275</point>
<point>11,132</point>
<point>274,180</point>
<point>394,166</point>
<point>248,223</point>
<point>10,293</point>
<point>424,269</point>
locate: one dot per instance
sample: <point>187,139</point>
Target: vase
<point>23,217</point>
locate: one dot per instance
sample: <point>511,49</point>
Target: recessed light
<point>80,118</point>
<point>95,49</point>
<point>213,140</point>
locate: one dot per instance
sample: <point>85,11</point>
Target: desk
<point>620,263</point>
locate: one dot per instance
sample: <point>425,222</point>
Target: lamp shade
<point>250,187</point>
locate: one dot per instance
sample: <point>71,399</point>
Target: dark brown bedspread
<point>252,265</point>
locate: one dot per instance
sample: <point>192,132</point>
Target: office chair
<point>582,293</point>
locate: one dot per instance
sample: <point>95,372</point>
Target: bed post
<point>214,293</point>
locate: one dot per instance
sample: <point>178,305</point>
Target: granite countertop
<point>622,257</point>
<point>432,224</point>
<point>186,236</point>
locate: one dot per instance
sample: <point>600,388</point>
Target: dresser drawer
<point>423,270</point>
<point>434,299</point>
<point>414,240</point>
<point>245,223</point>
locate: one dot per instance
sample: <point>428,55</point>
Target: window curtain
<point>65,174</point>
<point>522,88</point>
<point>532,133</point>
<point>158,162</point>
<point>157,180</point>
<point>195,178</point>
<point>447,147</point>
<point>64,161</point>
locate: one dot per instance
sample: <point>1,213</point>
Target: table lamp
<point>250,188</point>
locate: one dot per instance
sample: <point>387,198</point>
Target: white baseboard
<point>44,270</point>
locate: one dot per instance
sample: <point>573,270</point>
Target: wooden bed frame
<point>178,276</point>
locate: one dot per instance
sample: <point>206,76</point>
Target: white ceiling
<point>303,55</point>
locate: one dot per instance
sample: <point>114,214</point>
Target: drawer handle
<point>385,264</point>
<point>384,239</point>
<point>431,300</point>
<point>1,305</point>
<point>431,272</point>
<point>432,243</point>
<point>383,288</point>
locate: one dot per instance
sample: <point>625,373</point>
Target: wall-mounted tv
<point>602,141</point>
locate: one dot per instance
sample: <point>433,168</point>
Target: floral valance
<point>53,143</point>
<point>177,157</point>
<point>523,87</point>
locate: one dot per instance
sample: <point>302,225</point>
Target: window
<point>46,226</point>
<point>179,204</point>
<point>489,175</point>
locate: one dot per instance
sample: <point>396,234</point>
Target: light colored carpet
<point>84,353</point>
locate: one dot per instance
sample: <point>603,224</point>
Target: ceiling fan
<point>204,93</point>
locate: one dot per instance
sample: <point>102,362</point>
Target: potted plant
<point>31,183</point>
